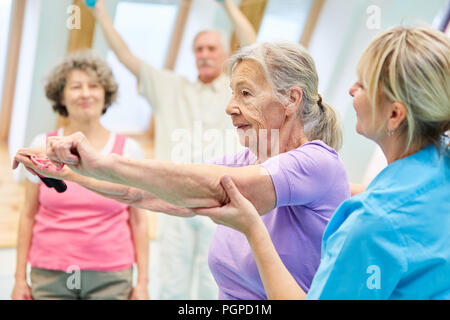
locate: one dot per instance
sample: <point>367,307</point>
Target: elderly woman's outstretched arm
<point>131,196</point>
<point>134,197</point>
<point>183,185</point>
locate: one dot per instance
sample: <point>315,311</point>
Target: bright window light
<point>284,20</point>
<point>5,12</point>
<point>147,29</point>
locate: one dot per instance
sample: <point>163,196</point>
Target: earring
<point>390,133</point>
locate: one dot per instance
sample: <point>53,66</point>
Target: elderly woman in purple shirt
<point>289,171</point>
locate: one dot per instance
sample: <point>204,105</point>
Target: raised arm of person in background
<point>244,30</point>
<point>114,40</point>
<point>241,215</point>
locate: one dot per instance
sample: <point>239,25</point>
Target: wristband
<point>57,184</point>
<point>90,3</point>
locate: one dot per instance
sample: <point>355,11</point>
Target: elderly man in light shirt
<point>185,112</point>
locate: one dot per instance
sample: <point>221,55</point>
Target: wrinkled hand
<point>239,213</point>
<point>76,152</point>
<point>21,291</point>
<point>25,156</point>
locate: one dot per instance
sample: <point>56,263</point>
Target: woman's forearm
<point>23,246</point>
<point>182,185</point>
<point>25,232</point>
<point>139,231</point>
<point>245,32</point>
<point>131,196</point>
<point>107,189</point>
<point>187,185</point>
<point>278,283</point>
<point>116,43</point>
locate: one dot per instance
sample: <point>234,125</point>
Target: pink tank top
<point>79,228</point>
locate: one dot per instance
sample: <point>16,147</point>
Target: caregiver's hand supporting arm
<point>241,215</point>
<point>185,185</point>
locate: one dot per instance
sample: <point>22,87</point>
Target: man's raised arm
<point>245,32</point>
<point>114,40</point>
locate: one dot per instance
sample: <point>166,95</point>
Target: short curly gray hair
<point>84,60</point>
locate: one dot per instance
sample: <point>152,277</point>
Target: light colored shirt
<point>190,120</point>
<point>393,240</point>
<point>310,183</point>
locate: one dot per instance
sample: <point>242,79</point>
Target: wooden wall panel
<point>79,39</point>
<point>11,201</point>
<point>311,22</point>
<point>254,11</point>
<point>82,38</point>
<point>12,64</point>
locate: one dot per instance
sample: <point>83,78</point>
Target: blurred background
<point>36,34</point>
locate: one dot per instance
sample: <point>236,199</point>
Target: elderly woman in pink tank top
<point>79,244</point>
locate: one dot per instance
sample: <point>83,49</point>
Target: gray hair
<point>286,65</point>
<point>84,60</point>
<point>223,38</point>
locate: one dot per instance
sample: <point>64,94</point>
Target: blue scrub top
<point>393,240</point>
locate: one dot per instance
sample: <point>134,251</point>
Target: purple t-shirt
<point>310,183</point>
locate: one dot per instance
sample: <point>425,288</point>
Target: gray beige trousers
<point>83,284</point>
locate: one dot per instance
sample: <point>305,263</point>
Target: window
<point>5,13</point>
<point>442,20</point>
<point>147,29</point>
<point>288,15</point>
